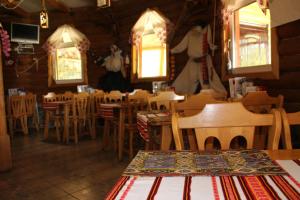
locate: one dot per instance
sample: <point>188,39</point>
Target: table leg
<point>66,123</point>
<point>121,133</point>
<point>166,137</point>
<point>46,126</point>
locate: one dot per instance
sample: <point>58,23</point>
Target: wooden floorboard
<point>50,170</point>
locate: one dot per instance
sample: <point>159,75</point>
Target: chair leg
<point>92,124</point>
<point>10,124</point>
<point>130,144</point>
<point>105,133</point>
<point>75,132</point>
<point>115,139</point>
<point>24,127</point>
<point>57,129</point>
<point>36,123</point>
<point>46,127</point>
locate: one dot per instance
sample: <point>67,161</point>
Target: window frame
<point>70,82</point>
<point>263,71</point>
<point>136,62</point>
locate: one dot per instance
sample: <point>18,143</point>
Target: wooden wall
<point>106,26</point>
<point>103,27</point>
<point>289,56</point>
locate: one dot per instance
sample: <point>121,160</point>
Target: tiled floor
<point>48,170</point>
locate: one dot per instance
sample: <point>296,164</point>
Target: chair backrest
<point>50,97</point>
<point>194,104</point>
<point>114,96</point>
<point>80,108</point>
<point>30,104</point>
<point>215,94</point>
<point>163,100</point>
<point>67,96</point>
<point>225,122</point>
<point>261,102</point>
<point>288,119</point>
<point>17,106</point>
<point>140,95</point>
<point>97,99</point>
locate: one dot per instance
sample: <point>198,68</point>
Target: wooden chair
<point>139,95</point>
<point>194,104</point>
<point>67,96</point>
<point>17,112</point>
<point>80,115</point>
<point>31,109</point>
<point>225,122</point>
<point>261,102</point>
<point>216,95</point>
<point>52,115</point>
<point>50,97</point>
<point>288,119</point>
<point>96,99</point>
<point>163,99</point>
<point>114,96</point>
<point>191,106</point>
<point>130,109</point>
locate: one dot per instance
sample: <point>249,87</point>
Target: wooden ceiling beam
<point>58,5</point>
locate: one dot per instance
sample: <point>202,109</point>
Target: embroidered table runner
<point>217,163</point>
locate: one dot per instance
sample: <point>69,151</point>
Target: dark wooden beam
<point>58,5</point>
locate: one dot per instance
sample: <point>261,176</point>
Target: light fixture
<point>44,20</point>
<point>103,3</point>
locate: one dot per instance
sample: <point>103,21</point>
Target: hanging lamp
<point>103,3</point>
<point>44,20</point>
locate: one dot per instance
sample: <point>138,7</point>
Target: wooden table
<point>61,108</point>
<point>108,110</point>
<point>156,118</point>
<point>273,184</point>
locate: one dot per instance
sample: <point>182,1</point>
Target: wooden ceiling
<point>26,8</point>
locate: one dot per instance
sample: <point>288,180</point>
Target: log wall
<point>106,26</point>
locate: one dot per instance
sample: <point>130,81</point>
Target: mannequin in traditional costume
<point>199,68</point>
<point>114,79</point>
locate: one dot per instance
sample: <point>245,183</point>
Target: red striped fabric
<point>229,188</point>
<point>286,187</point>
<point>297,162</point>
<point>142,126</point>
<point>154,188</point>
<point>187,188</point>
<point>118,186</point>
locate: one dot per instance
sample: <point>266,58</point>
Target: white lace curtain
<point>150,20</point>
<point>66,34</point>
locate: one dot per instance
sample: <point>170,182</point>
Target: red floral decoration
<point>5,42</point>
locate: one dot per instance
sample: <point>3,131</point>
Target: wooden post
<point>5,151</point>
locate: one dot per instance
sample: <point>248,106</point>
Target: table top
<point>267,185</point>
<point>155,117</point>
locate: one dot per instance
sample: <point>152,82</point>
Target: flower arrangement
<point>5,42</point>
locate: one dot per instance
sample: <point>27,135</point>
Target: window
<point>68,65</point>
<point>149,48</point>
<point>67,57</point>
<point>250,45</point>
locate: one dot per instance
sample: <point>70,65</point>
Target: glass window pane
<point>68,64</point>
<point>252,42</point>
<point>153,62</point>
